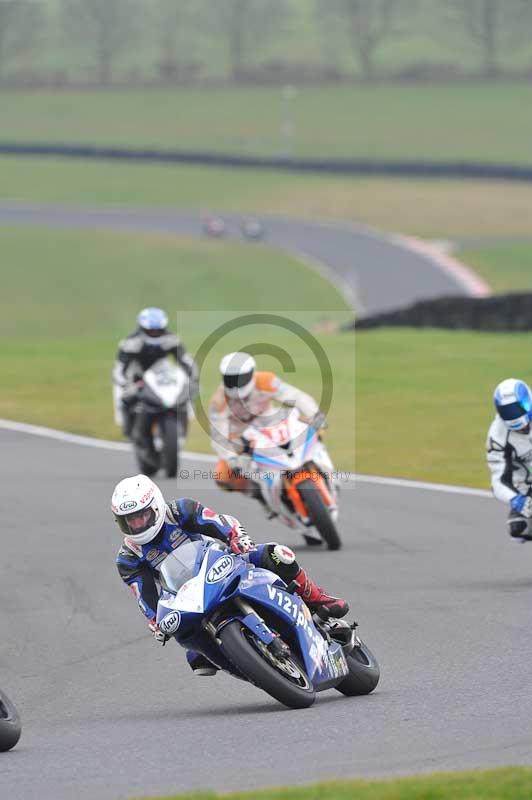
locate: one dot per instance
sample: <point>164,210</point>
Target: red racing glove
<point>239,541</point>
<point>158,635</point>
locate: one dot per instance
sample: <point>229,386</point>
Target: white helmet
<point>238,373</point>
<point>139,508</point>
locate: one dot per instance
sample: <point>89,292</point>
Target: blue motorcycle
<point>246,621</point>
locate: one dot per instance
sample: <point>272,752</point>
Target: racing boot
<point>519,527</point>
<point>312,540</point>
<point>325,605</point>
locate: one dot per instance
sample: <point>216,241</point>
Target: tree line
<point>186,40</point>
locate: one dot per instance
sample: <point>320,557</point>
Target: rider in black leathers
<point>139,351</point>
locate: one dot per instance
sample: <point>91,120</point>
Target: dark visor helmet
<point>153,322</point>
<point>238,374</point>
<point>139,508</point>
<point>513,402</point>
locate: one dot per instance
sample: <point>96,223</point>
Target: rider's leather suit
<point>229,417</point>
<point>136,354</point>
<point>509,456</point>
<point>186,520</point>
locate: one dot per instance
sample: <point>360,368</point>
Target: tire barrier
<point>507,312</point>
<point>444,169</point>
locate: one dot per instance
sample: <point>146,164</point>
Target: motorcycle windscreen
<point>181,565</point>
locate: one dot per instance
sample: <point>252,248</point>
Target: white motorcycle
<point>161,414</point>
<point>291,466</point>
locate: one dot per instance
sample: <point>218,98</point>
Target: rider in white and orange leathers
<point>243,396</point>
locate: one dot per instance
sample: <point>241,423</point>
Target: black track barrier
<point>505,312</point>
<point>444,169</point>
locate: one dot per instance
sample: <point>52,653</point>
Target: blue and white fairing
<point>201,577</point>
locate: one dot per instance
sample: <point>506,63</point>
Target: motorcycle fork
<point>276,645</point>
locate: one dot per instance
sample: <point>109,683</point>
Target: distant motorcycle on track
<point>252,229</point>
<point>295,475</point>
<point>161,412</point>
<point>10,725</point>
<point>214,227</point>
<point>246,621</point>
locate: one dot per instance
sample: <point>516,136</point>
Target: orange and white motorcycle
<point>292,468</point>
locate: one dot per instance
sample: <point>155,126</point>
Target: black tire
<point>145,453</point>
<point>242,648</point>
<point>170,452</point>
<point>147,466</point>
<point>319,514</point>
<point>10,725</point>
<point>364,672</point>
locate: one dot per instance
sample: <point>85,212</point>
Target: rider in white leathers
<point>509,454</point>
<point>244,395</point>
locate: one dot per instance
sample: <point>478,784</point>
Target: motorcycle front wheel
<point>147,457</point>
<point>170,451</point>
<point>10,725</point>
<point>282,678</point>
<point>319,514</point>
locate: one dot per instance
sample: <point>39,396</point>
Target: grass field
<point>479,122</point>
<point>437,209</point>
<point>422,391</point>
<point>506,267</point>
<point>424,384</point>
<point>424,400</point>
<point>499,784</point>
<point>86,289</point>
<point>429,208</point>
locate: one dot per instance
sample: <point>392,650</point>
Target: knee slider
<point>281,554</point>
<point>280,559</point>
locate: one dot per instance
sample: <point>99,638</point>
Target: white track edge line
<point>105,444</point>
<point>472,283</point>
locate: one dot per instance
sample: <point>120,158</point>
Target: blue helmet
<point>153,321</point>
<point>513,402</point>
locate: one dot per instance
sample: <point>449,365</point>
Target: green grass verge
<point>81,291</point>
<point>430,208</point>
<point>509,783</point>
<point>506,267</point>
<point>423,399</point>
<point>490,122</point>
<point>441,209</point>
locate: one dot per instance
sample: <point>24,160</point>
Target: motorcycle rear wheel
<point>283,679</point>
<point>10,725</point>
<point>364,672</point>
<point>319,514</point>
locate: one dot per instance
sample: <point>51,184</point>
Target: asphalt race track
<point>442,596</point>
<point>376,272</point>
<point>441,593</point>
